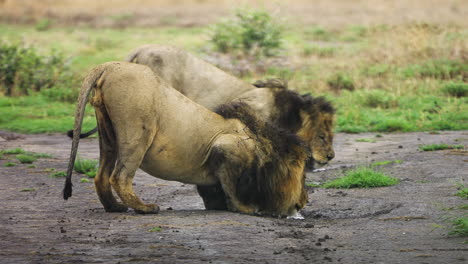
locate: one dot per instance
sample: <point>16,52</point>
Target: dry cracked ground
<point>405,223</point>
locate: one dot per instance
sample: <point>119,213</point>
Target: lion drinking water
<point>239,162</point>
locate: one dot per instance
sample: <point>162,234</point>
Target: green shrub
<point>456,89</point>
<point>250,32</point>
<point>362,177</point>
<point>85,165</point>
<point>23,158</point>
<point>23,70</point>
<point>43,24</point>
<point>434,147</point>
<point>340,82</point>
<point>438,69</point>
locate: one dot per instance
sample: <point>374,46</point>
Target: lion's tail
<point>88,84</point>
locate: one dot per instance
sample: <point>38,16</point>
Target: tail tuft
<point>67,190</point>
<point>70,133</point>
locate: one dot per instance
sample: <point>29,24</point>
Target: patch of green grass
<point>58,174</point>
<point>155,229</point>
<point>13,151</point>
<point>462,191</point>
<point>31,166</point>
<point>437,68</point>
<point>23,158</point>
<point>369,140</point>
<point>43,24</point>
<point>84,180</point>
<point>385,162</point>
<point>319,51</point>
<point>362,177</point>
<point>9,164</point>
<point>459,227</point>
<point>434,147</point>
<point>340,81</point>
<point>456,89</point>
<point>86,166</point>
<point>28,190</point>
<point>379,98</point>
<point>40,155</point>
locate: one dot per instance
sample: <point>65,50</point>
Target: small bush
<point>340,82</point>
<point>250,32</point>
<point>456,89</point>
<point>23,158</point>
<point>319,33</point>
<point>23,70</point>
<point>362,177</point>
<point>85,165</point>
<point>434,147</point>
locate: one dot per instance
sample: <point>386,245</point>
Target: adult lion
<point>310,118</point>
<point>238,161</point>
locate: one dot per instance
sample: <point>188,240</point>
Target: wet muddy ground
<point>399,224</point>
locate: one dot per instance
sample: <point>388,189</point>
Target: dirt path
<point>382,225</point>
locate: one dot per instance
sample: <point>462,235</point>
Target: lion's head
<point>317,116</point>
<point>274,180</point>
<point>311,118</point>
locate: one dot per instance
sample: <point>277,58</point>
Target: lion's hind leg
<point>132,149</point>
<point>108,156</point>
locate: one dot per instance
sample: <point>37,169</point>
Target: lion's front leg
<point>232,201</point>
<point>213,197</point>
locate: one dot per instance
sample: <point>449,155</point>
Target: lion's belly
<point>169,167</point>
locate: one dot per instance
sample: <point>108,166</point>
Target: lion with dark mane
<point>310,118</point>
<point>238,162</point>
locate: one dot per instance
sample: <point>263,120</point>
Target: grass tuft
<point>369,140</point>
<point>385,162</point>
<point>455,89</point>
<point>23,158</point>
<point>58,174</point>
<point>9,164</point>
<point>459,227</point>
<point>13,151</point>
<point>434,147</point>
<point>362,177</point>
<point>86,166</point>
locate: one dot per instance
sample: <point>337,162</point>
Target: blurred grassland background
<point>386,65</point>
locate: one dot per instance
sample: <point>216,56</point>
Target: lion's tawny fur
<point>144,123</point>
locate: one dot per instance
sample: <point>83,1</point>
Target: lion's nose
<point>330,156</point>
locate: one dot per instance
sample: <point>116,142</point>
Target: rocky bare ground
<point>398,224</point>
